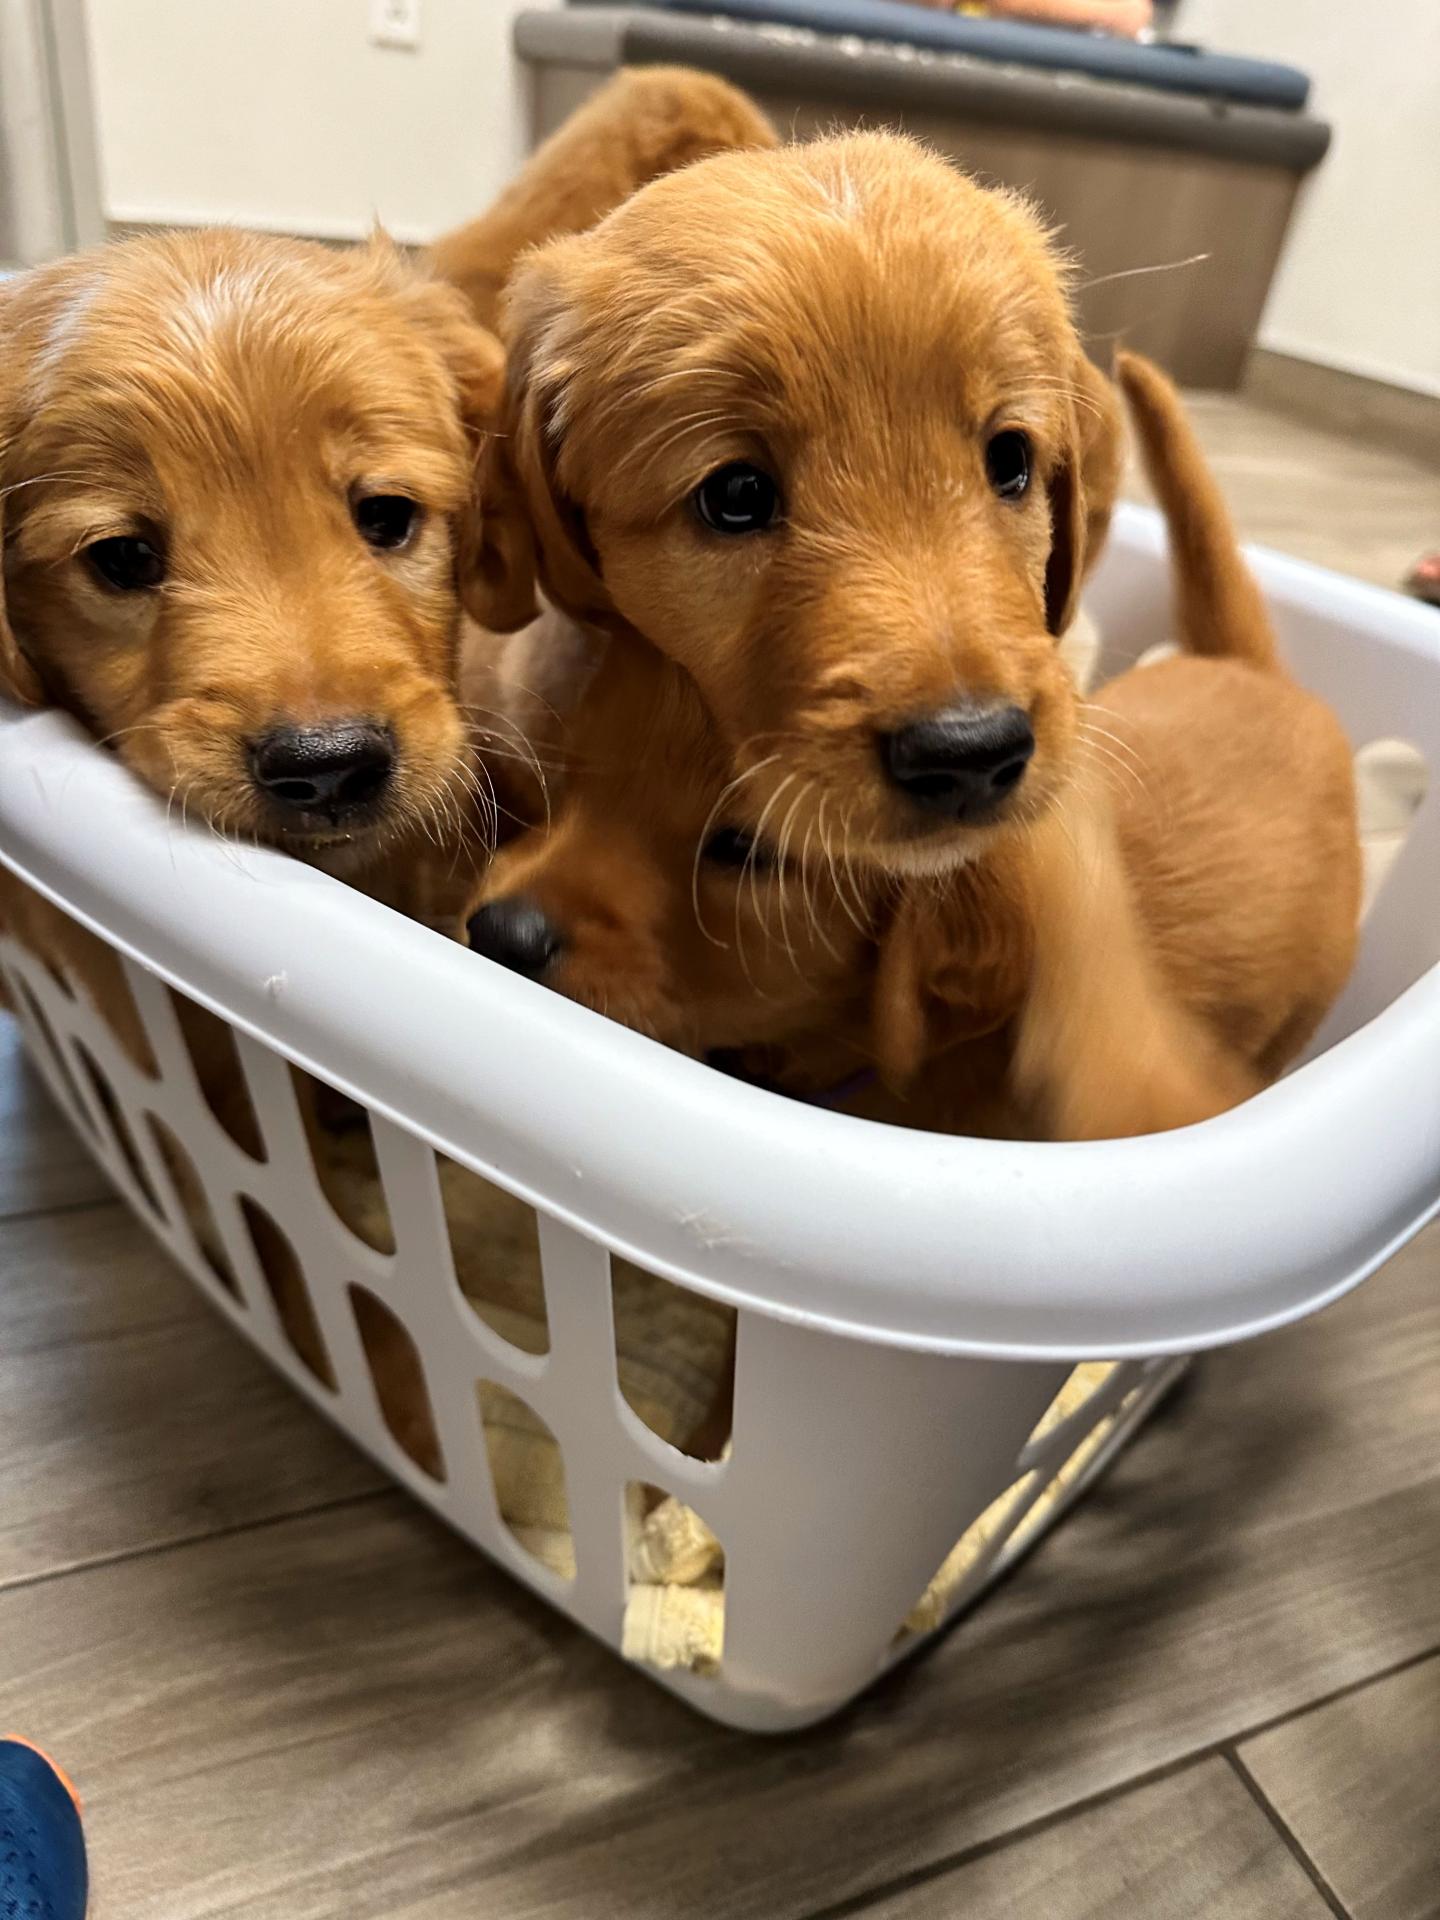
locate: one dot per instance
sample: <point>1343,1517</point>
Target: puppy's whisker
<point>661,379</point>
<point>489,801</point>
<point>121,733</point>
<point>654,445</point>
<point>1135,273</point>
<point>807,877</point>
<point>1054,809</point>
<point>478,717</point>
<point>759,835</point>
<point>1098,741</point>
<point>849,894</point>
<point>524,753</point>
<point>45,479</point>
<point>740,954</point>
<point>535,698</point>
<point>1101,756</point>
<point>816,828</point>
<point>846,906</point>
<point>1093,727</point>
<point>730,788</point>
<point>781,856</point>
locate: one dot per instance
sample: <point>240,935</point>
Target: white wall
<point>280,114</point>
<point>32,209</point>
<point>1360,284</point>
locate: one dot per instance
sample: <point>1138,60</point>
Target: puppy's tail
<point>1220,611</point>
<point>644,122</point>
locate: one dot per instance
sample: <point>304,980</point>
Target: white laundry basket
<point>908,1304</point>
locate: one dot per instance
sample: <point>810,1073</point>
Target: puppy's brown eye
<point>128,564</point>
<point>1007,461</point>
<point>733,848</point>
<point>737,498</point>
<point>386,520</point>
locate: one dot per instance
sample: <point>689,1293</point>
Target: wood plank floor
<point>287,1694</point>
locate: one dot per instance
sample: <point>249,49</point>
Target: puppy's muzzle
<point>961,763</point>
<point>329,773</point>
<point>516,933</point>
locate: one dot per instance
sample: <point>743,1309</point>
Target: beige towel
<point>676,1613</point>
<point>674,1353</point>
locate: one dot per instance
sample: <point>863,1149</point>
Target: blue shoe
<point>43,1875</point>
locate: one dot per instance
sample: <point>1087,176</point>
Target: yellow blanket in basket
<point>676,1612</point>
<point>673,1351</point>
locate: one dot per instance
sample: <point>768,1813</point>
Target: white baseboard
<point>1399,417</point>
<point>1359,366</point>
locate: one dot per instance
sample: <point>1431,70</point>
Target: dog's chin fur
<point>227,397</point>
<point>932,859</point>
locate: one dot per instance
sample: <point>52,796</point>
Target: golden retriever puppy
<point>816,423</point>
<point>645,122</point>
<point>238,477</point>
<point>1160,944</point>
<point>237,488</point>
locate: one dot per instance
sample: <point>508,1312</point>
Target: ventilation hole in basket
<point>342,1148</point>
<point>58,974</point>
<point>529,1476</point>
<point>285,1278</point>
<point>190,1192</point>
<point>675,1360</point>
<point>675,1566</point>
<point>1018,1516</point>
<point>399,1380</point>
<point>1391,779</point>
<point>496,1252</point>
<point>210,1042</point>
<point>42,1036</point>
<point>118,1125</point>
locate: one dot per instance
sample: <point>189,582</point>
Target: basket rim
<point>989,1248</point>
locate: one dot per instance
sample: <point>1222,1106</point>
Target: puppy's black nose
<point>516,933</point>
<point>961,762</point>
<point>327,770</point>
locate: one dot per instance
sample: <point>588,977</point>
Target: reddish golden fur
<point>1160,944</point>
<point>858,318</point>
<point>645,122</point>
<point>228,394</point>
<point>223,393</point>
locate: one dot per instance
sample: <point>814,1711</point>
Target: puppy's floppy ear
<point>18,679</point>
<point>951,968</point>
<point>472,353</point>
<point>498,563</point>
<point>476,363</point>
<point>532,533</point>
<point>1082,489</point>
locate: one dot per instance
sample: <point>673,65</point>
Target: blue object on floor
<point>43,1874</point>
<point>1218,76</point>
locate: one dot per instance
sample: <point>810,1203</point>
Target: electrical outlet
<point>395,23</point>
